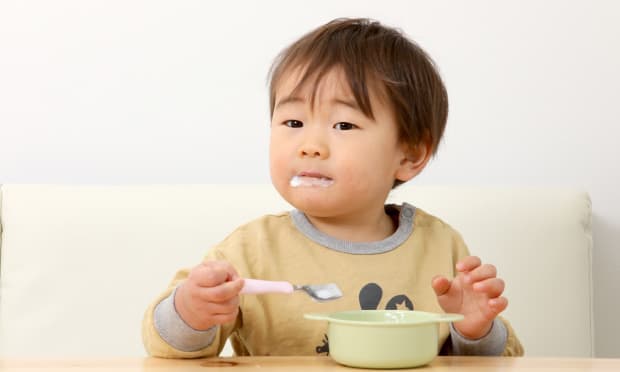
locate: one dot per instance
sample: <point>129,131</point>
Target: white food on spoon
<point>305,181</point>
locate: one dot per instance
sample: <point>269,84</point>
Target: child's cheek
<point>280,170</point>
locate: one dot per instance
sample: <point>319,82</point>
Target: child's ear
<point>414,160</point>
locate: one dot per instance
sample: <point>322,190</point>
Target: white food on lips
<point>303,181</point>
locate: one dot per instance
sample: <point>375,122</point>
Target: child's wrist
<point>473,333</point>
<point>187,315</point>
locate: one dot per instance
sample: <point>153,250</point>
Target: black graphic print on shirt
<point>369,298</point>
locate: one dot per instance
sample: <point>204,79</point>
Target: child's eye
<point>293,123</point>
<point>345,126</point>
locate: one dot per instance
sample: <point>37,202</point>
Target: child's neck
<point>370,227</point>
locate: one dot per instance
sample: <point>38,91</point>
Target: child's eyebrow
<point>335,101</point>
<point>288,100</point>
<point>346,102</point>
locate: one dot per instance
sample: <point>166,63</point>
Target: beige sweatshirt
<point>394,273</point>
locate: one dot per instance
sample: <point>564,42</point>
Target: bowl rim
<point>429,318</point>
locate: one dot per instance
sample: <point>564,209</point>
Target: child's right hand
<point>209,295</point>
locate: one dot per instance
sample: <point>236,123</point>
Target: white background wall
<point>127,91</point>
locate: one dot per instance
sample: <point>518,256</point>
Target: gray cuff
<point>176,332</point>
<point>493,343</point>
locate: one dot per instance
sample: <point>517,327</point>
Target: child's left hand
<point>475,292</point>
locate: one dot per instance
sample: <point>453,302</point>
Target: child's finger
<point>209,308</point>
<point>468,263</point>
<point>207,275</point>
<point>223,292</point>
<point>225,267</point>
<point>213,273</point>
<point>493,287</point>
<point>226,307</point>
<point>498,304</point>
<point>480,273</point>
<point>441,285</point>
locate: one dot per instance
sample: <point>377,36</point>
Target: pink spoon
<point>319,292</point>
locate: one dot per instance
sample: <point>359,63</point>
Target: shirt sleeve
<point>501,339</point>
<point>493,343</point>
<point>166,335</point>
<point>173,329</point>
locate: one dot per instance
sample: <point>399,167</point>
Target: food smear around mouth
<point>305,181</point>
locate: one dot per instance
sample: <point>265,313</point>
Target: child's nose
<point>313,150</point>
<point>314,147</point>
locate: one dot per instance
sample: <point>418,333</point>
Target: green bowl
<point>383,338</point>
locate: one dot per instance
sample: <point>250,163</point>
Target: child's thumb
<point>441,285</point>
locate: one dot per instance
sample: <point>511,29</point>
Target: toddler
<point>356,109</point>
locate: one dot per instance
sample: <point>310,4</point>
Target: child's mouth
<point>308,181</point>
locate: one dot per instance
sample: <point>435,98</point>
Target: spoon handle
<point>255,286</point>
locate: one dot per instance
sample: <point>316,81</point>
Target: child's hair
<point>371,54</point>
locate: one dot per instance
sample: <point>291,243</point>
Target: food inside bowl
<point>383,338</point>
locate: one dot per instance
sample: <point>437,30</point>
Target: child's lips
<point>312,175</point>
<point>309,179</point>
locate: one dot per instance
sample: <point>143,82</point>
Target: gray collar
<point>402,233</point>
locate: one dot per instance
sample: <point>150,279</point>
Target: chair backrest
<point>79,264</point>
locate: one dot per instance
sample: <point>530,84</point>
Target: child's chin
<point>317,207</point>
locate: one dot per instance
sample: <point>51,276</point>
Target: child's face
<point>345,162</point>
